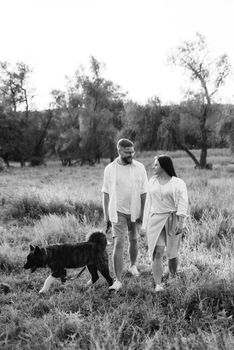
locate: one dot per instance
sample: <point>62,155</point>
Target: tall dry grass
<point>196,310</point>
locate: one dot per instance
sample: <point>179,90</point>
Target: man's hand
<point>108,225</point>
<point>139,221</point>
<point>179,229</point>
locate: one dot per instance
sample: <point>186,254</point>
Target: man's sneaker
<point>133,270</point>
<point>117,285</point>
<point>159,288</point>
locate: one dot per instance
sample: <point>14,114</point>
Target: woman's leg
<point>172,265</point>
<point>173,244</point>
<point>157,264</point>
<point>158,257</point>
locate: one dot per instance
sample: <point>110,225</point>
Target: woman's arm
<point>182,207</point>
<point>182,202</point>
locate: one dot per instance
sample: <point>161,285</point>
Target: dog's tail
<point>98,238</point>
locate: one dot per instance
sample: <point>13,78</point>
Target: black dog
<point>59,257</point>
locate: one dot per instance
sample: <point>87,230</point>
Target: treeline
<point>84,122</point>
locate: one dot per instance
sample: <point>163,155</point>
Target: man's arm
<point>106,206</point>
<point>143,197</point>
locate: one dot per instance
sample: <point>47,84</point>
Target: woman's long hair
<point>167,165</point>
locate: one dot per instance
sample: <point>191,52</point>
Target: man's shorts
<point>124,226</point>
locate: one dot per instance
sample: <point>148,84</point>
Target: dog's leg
<point>63,276</point>
<point>47,284</point>
<point>103,267</point>
<point>93,271</point>
<point>105,273</point>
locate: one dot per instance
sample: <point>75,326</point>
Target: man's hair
<point>124,143</point>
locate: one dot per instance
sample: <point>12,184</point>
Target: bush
<point>68,326</point>
<point>41,308</point>
<point>28,208</point>
<point>2,164</point>
<point>10,259</point>
<point>213,296</point>
<point>201,210</point>
<point>53,229</point>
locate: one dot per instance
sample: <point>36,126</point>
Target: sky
<point>132,37</point>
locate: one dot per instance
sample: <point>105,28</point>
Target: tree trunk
<point>26,102</point>
<point>6,160</point>
<point>203,156</point>
<point>191,155</point>
<point>204,146</point>
<point>38,149</point>
<point>185,148</point>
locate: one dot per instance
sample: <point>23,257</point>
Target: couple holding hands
<point>159,205</point>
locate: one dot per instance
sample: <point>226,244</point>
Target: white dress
<point>163,213</point>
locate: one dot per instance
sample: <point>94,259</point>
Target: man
<point>124,192</point>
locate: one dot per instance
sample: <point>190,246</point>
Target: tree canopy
<point>85,120</point>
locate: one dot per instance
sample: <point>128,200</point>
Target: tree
<point>146,117</point>
<point>226,127</point>
<point>100,105</point>
<point>40,134</point>
<point>23,139</point>
<point>23,132</point>
<point>87,117</point>
<point>63,135</point>
<point>14,89</point>
<point>172,137</point>
<point>9,134</point>
<point>209,73</point>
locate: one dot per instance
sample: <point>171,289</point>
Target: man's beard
<point>127,160</point>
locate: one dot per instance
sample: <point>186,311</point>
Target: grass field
<point>57,204</point>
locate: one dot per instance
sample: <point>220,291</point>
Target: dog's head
<point>34,258</point>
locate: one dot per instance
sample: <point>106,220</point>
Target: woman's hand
<point>179,228</point>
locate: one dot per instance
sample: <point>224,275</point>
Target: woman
<point>165,211</point>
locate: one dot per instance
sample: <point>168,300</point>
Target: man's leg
<point>119,231</point>
<point>118,256</point>
<point>133,246</point>
<point>133,250</point>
